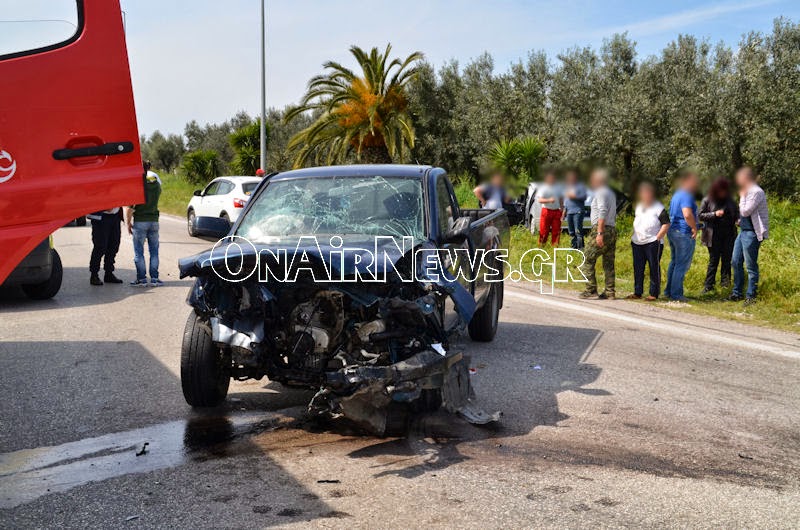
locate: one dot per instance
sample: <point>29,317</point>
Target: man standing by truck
<point>106,234</point>
<point>142,223</point>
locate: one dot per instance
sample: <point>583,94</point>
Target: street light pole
<point>263,90</point>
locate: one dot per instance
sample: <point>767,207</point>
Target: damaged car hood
<point>384,258</point>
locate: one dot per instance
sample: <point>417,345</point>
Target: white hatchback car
<point>224,197</point>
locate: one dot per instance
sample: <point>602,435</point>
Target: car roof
<point>239,178</point>
<point>356,170</point>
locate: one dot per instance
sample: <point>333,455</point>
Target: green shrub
<point>202,166</point>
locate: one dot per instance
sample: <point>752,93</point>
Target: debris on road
<point>329,481</point>
<point>143,451</point>
<point>131,517</point>
<point>746,457</point>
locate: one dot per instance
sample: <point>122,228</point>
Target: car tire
<point>191,218</point>
<point>48,288</point>
<point>534,228</point>
<point>205,369</point>
<point>80,221</point>
<point>483,326</point>
<point>224,215</point>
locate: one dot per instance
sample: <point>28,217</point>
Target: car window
<point>343,206</point>
<point>249,187</point>
<point>225,187</point>
<point>444,205</point>
<point>212,189</point>
<point>35,26</point>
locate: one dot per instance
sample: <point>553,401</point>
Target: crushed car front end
<point>325,284</point>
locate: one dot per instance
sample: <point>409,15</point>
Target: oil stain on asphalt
<point>28,474</point>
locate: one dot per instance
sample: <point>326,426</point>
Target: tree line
<point>710,108</point>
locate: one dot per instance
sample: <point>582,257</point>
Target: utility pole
<point>263,89</point>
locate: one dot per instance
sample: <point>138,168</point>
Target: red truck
<point>69,144</point>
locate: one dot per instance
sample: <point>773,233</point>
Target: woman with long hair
<point>719,213</point>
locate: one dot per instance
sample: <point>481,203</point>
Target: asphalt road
<point>615,414</point>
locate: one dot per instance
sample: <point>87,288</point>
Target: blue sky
<point>199,59</point>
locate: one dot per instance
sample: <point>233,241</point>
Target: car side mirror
<point>198,193</point>
<point>215,227</point>
<point>459,232</point>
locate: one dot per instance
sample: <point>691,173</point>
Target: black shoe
<point>749,301</point>
<point>588,294</point>
<point>606,296</point>
<point>734,298</point>
<point>707,290</point>
<point>110,278</point>
<point>95,280</point>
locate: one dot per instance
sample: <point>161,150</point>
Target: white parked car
<point>224,197</point>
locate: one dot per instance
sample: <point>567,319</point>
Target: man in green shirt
<point>142,223</point>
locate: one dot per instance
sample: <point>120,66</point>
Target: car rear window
<point>249,187</point>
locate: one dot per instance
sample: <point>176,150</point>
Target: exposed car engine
<point>364,342</point>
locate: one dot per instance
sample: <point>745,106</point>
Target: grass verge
<point>175,194</point>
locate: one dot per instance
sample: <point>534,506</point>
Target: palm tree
<point>363,114</point>
<point>518,159</point>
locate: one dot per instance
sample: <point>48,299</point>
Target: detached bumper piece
<point>369,396</point>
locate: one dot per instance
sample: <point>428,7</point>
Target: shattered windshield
<point>341,206</point>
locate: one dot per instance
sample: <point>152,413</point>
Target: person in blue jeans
<point>574,200</point>
<point>753,229</point>
<point>682,235</point>
<point>142,223</point>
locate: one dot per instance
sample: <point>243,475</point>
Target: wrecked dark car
<point>349,280</point>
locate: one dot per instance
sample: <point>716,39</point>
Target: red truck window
<point>33,27</point>
<point>69,144</point>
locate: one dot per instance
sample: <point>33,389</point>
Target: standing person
<point>106,234</point>
<point>682,235</point>
<point>753,229</point>
<point>719,213</point>
<point>574,199</point>
<point>650,225</point>
<point>549,196</point>
<point>142,223</point>
<point>492,195</point>
<point>602,239</point>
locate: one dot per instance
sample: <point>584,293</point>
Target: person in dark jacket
<point>106,233</point>
<point>719,213</point>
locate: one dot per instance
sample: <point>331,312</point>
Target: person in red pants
<point>549,196</point>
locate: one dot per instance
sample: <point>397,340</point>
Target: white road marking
<point>671,328</point>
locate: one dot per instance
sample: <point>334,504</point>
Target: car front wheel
<point>205,368</point>
<point>48,288</point>
<point>483,325</point>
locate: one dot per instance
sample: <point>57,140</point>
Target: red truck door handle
<point>111,148</point>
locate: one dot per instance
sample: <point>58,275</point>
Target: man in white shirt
<point>650,225</point>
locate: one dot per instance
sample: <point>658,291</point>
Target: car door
<point>224,202</point>
<point>208,200</point>
<point>68,136</point>
<point>447,210</point>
